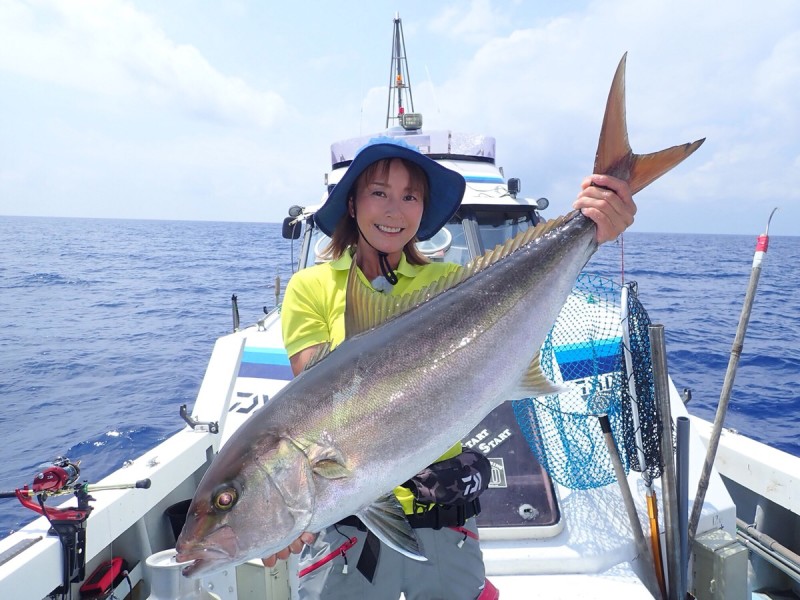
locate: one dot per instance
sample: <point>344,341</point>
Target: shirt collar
<point>404,268</point>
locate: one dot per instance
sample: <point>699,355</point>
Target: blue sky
<point>226,110</point>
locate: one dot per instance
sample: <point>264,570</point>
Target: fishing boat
<point>578,507</point>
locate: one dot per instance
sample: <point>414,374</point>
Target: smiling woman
<point>391,195</point>
<point>384,210</point>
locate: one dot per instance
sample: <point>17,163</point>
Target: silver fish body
<point>384,405</point>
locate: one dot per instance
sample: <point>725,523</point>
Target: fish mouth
<point>213,553</point>
<point>202,560</point>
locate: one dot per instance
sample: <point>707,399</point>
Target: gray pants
<point>454,569</point>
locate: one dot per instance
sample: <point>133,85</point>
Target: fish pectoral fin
<point>330,469</point>
<point>535,383</point>
<point>386,519</point>
<point>325,458</point>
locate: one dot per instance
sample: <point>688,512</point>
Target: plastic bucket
<point>176,514</point>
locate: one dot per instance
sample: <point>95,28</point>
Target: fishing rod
<point>736,351</point>
<point>59,479</point>
<point>668,477</point>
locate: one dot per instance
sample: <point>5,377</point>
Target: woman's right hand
<point>305,539</point>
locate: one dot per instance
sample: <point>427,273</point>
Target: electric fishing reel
<point>60,474</point>
<point>68,523</point>
<point>61,478</point>
<point>55,479</point>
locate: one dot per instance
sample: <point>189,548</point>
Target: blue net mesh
<point>585,350</point>
<point>642,424</point>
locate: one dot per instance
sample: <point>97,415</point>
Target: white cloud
<point>110,48</point>
<point>726,72</point>
<point>102,96</point>
<point>478,23</point>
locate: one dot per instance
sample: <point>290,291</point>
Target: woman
<point>391,197</point>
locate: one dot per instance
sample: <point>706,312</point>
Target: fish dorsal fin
<point>365,308</point>
<point>386,519</point>
<point>321,352</point>
<point>535,383</point>
<point>614,155</point>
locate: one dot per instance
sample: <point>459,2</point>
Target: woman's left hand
<point>608,202</point>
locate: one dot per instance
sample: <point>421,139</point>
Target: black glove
<point>453,481</point>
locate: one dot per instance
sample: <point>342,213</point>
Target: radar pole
<point>397,111</point>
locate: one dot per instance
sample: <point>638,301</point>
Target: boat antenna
<point>398,108</point>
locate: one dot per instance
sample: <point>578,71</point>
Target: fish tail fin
<point>614,155</point>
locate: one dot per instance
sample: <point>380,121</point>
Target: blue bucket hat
<point>445,186</point>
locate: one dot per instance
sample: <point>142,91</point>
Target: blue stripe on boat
<point>281,372</point>
<point>266,356</point>
<point>266,363</point>
<point>483,179</point>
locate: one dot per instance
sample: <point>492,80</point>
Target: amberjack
<point>414,375</point>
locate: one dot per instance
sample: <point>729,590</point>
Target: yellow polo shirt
<point>313,313</point>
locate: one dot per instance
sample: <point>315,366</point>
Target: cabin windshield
<point>497,226</point>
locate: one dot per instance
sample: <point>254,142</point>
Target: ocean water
<point>106,327</point>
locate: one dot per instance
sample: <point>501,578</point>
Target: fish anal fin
<point>614,155</point>
<point>535,383</point>
<point>386,519</point>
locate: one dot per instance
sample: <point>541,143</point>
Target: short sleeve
<point>303,317</point>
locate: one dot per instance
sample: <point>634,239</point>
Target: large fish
<point>414,375</point>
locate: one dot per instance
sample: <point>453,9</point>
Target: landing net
<point>585,350</point>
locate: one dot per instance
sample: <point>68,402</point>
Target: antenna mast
<point>399,81</point>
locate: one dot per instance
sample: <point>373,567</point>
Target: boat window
<point>497,226</point>
<point>458,251</point>
<point>436,247</point>
<point>319,242</point>
<point>448,245</point>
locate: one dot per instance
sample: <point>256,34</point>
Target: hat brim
<point>445,189</point>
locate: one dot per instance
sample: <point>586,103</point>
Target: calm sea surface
<point>106,327</point>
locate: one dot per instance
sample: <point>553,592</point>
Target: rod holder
<point>668,485</point>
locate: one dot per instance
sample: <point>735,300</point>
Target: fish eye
<point>224,497</point>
